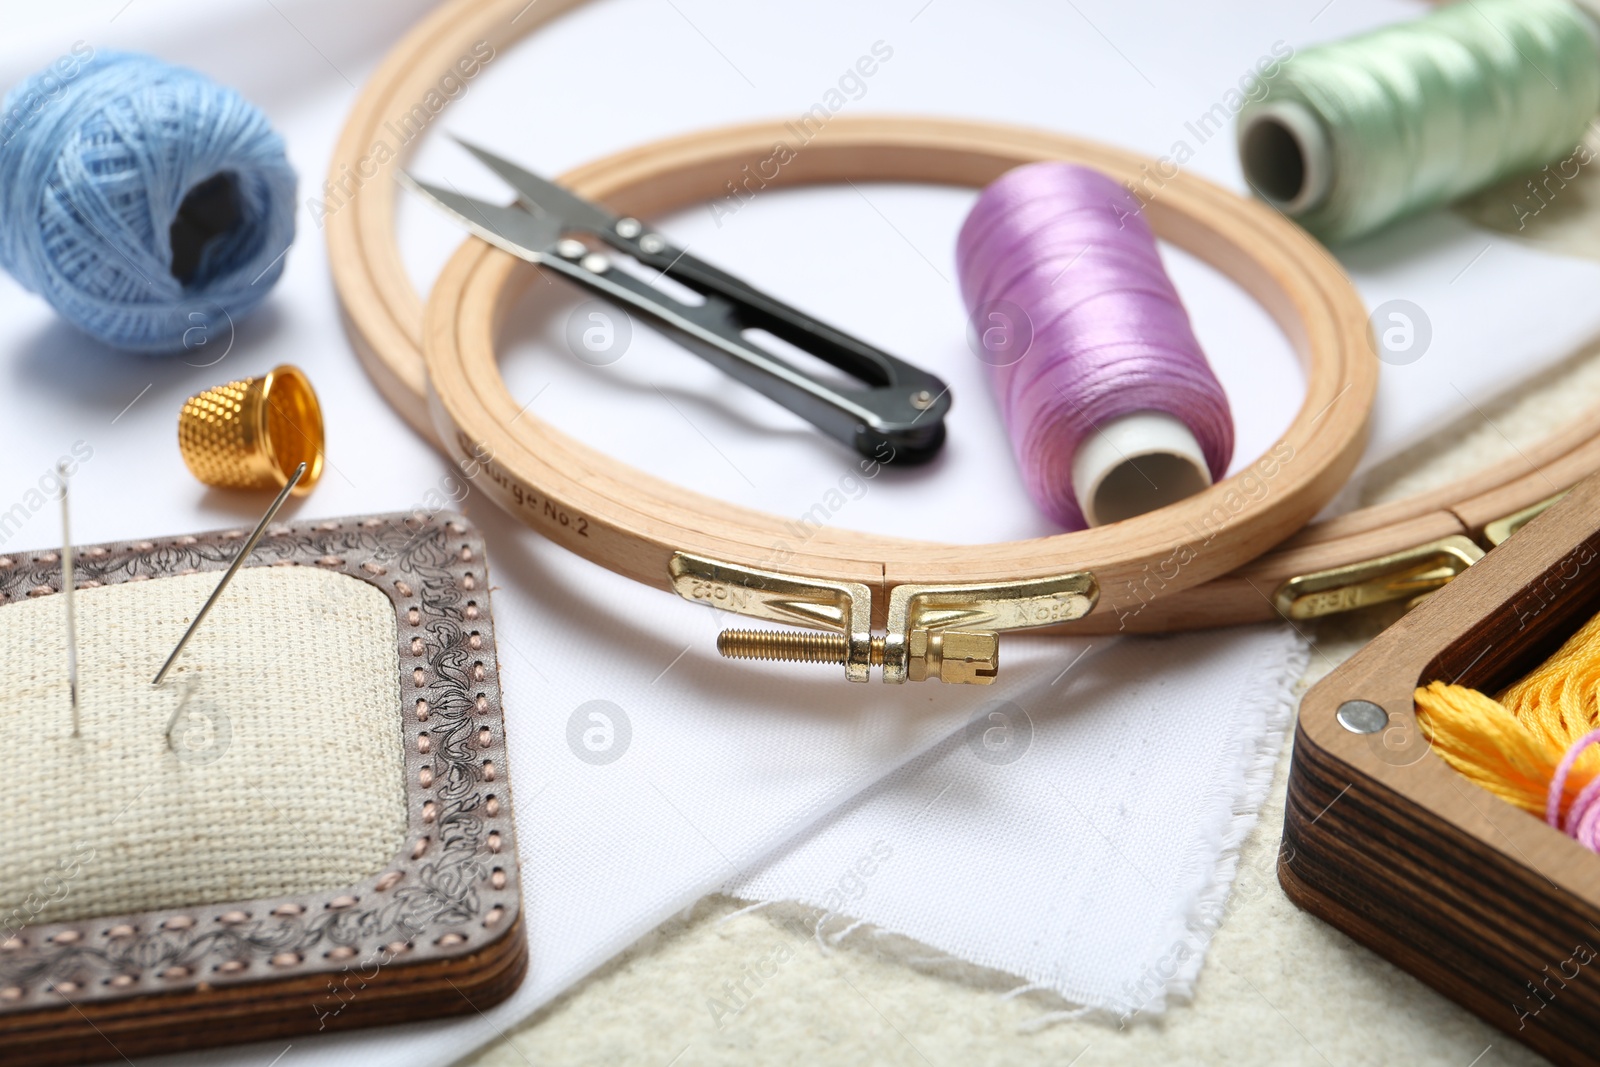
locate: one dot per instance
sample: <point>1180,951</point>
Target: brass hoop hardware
<point>945,632</point>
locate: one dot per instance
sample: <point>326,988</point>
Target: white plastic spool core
<point>1137,463</point>
<point>1286,156</point>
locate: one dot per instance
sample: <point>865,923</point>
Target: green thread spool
<point>1354,135</point>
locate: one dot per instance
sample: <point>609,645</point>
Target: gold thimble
<point>252,434</point>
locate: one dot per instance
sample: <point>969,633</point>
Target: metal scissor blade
<point>516,231</point>
<point>545,196</point>
<point>757,308</point>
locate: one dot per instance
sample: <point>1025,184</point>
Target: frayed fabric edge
<point>1259,757</point>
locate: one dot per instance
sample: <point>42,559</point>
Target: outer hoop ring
<point>633,523</point>
<point>384,320</point>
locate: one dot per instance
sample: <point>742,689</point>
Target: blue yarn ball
<point>111,161</point>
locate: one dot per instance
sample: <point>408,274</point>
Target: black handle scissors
<point>898,405</point>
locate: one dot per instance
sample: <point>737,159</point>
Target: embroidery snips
<point>896,414</point>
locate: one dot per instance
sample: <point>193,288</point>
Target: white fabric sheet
<point>1086,846</point>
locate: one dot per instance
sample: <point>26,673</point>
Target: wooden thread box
<point>1383,839</point>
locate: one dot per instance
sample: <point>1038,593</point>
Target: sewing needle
<point>233,568</point>
<point>66,588</point>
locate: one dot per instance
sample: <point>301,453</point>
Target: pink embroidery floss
<point>1583,816</point>
<point>1111,406</point>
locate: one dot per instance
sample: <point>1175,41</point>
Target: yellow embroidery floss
<point>1535,745</point>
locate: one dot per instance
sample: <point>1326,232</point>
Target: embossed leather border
<point>451,896</point>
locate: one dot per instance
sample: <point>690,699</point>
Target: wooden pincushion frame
<point>1481,900</point>
<point>437,932</point>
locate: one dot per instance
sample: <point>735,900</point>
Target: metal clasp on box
<point>1408,575</point>
<point>948,632</point>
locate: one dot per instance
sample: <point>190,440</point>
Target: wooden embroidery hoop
<point>1389,552</point>
<point>635,523</point>
<point>640,527</point>
<point>707,549</point>
<point>659,534</point>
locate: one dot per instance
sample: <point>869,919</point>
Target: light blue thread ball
<point>144,201</point>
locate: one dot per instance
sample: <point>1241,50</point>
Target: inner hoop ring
<point>634,523</point>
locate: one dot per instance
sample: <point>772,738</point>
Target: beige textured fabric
<point>288,774</point>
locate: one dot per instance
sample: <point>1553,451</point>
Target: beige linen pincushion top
<point>285,775</point>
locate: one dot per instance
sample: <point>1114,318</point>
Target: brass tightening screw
<point>949,655</point>
<point>792,646</point>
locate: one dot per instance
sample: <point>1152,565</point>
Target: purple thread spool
<point>1111,406</point>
